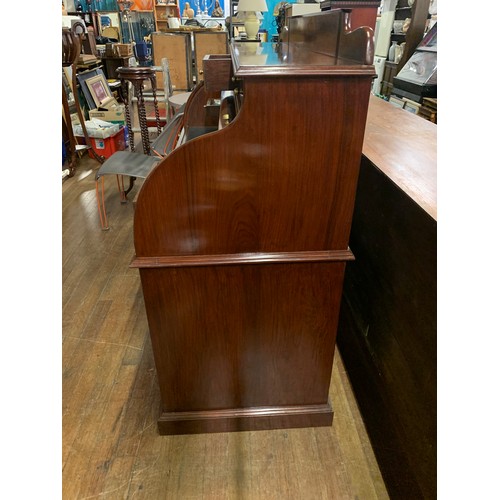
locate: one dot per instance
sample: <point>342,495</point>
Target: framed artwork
<point>399,103</point>
<point>411,106</point>
<point>99,90</point>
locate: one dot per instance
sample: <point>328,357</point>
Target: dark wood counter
<point>387,326</point>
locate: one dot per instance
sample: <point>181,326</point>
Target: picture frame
<point>411,106</point>
<point>99,90</point>
<point>396,101</point>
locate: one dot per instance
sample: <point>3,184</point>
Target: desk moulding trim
<point>240,419</point>
<point>243,258</point>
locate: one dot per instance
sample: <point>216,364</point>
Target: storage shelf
<point>161,13</point>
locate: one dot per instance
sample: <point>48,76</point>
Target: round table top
<point>135,72</point>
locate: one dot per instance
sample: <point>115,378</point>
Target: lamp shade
<point>252,6</point>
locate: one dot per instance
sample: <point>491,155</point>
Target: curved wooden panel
<point>254,186</point>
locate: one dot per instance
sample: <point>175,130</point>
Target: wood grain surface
<point>404,147</point>
<point>388,329</point>
<point>111,448</point>
<point>242,343</point>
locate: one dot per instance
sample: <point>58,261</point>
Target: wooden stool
<point>137,76</point>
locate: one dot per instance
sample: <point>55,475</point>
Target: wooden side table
<point>137,76</point>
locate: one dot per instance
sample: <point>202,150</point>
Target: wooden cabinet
<point>241,234</point>
<point>206,43</point>
<point>163,11</point>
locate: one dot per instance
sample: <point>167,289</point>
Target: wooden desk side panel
<point>281,177</point>
<point>247,336</point>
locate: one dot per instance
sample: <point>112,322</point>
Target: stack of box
<point>428,110</point>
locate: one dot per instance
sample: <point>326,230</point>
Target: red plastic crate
<point>106,147</point>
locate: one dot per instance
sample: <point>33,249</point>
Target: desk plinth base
<point>247,419</point>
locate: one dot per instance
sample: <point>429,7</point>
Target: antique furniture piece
<point>134,164</point>
<point>70,50</point>
<point>241,234</point>
<point>130,163</point>
<point>388,322</point>
<point>207,42</point>
<point>112,63</point>
<point>71,46</point>
<point>137,76</point>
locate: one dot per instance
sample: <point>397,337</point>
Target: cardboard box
<point>112,114</point>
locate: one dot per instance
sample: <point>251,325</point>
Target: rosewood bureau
<point>241,233</point>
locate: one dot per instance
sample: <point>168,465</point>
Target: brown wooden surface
<point>232,344</point>
<point>239,342</point>
<point>330,33</point>
<point>217,72</point>
<point>404,147</point>
<point>206,43</point>
<point>110,444</point>
<point>176,47</point>
<point>363,12</point>
<point>233,200</point>
<point>387,326</point>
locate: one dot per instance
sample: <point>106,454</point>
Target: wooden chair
<point>135,165</point>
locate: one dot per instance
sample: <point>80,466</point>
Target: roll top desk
<point>241,233</point>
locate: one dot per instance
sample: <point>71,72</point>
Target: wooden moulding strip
<point>239,419</point>
<point>243,258</point>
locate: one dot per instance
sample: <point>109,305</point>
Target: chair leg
<point>121,188</point>
<point>130,185</point>
<point>101,207</point>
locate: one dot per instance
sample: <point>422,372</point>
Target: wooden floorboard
<point>111,448</point>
